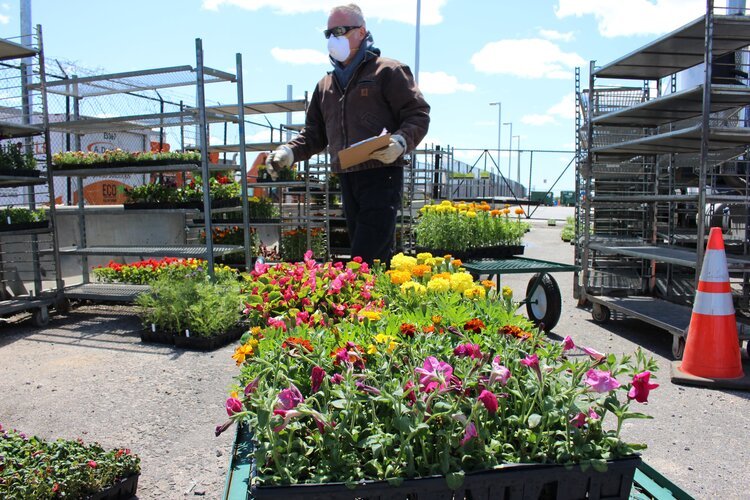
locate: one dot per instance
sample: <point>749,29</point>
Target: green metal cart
<point>543,300</point>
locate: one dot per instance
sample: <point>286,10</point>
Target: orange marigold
<point>515,332</point>
<point>420,270</point>
<point>474,325</point>
<point>292,342</point>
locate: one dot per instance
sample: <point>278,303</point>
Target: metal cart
<point>543,300</point>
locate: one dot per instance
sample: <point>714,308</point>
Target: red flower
<point>428,329</point>
<point>92,464</point>
<point>474,325</point>
<point>316,378</point>
<point>410,393</point>
<point>489,400</point>
<point>408,330</point>
<point>351,353</point>
<point>233,405</point>
<point>55,488</point>
<point>514,331</point>
<point>292,342</point>
<point>641,387</point>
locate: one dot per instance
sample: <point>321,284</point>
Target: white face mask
<point>338,47</point>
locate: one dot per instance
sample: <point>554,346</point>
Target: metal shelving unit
<point>200,116</point>
<point>657,166</point>
<point>30,278</point>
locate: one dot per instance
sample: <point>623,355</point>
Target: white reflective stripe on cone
<point>715,266</point>
<point>713,304</point>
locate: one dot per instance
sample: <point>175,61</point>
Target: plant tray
<point>122,490</point>
<point>23,226</point>
<point>194,343</point>
<point>116,164</point>
<point>498,252</point>
<point>185,205</point>
<point>512,482</point>
<point>238,221</point>
<point>20,172</point>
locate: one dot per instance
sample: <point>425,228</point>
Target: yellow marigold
<point>437,319</point>
<point>439,285</point>
<point>401,262</point>
<point>447,256</point>
<point>371,349</point>
<point>412,287</point>
<point>488,284</point>
<point>507,292</point>
<point>255,331</point>
<point>507,205</point>
<point>456,263</point>
<point>471,214</point>
<point>371,315</point>
<point>461,281</point>
<point>422,257</point>
<point>242,352</point>
<point>446,203</point>
<point>400,277</point>
<point>445,276</point>
<point>420,269</point>
<point>475,292</point>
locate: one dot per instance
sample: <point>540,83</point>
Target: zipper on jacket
<point>343,98</point>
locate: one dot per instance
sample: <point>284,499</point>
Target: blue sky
<point>522,54</point>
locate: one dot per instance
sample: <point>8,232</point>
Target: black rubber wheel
<point>545,305</point>
<point>678,346</point>
<point>62,306</point>
<point>600,313</point>
<point>40,317</point>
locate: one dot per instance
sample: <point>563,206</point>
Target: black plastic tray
<point>23,226</point>
<point>124,489</point>
<point>197,205</point>
<point>194,343</point>
<point>117,164</point>
<point>498,252</point>
<point>20,172</point>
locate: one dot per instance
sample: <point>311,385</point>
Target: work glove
<point>389,154</point>
<point>281,158</point>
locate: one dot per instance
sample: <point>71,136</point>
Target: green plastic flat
<point>516,265</point>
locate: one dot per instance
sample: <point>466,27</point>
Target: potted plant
<point>71,160</point>
<point>31,467</point>
<point>469,230</point>
<point>191,313</point>
<point>147,271</point>
<point>14,162</point>
<point>446,390</point>
<point>20,219</point>
<point>223,191</point>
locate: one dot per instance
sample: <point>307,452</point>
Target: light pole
<point>510,145</point>
<point>499,127</point>
<point>518,152</point>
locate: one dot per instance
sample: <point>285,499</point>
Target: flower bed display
<point>195,314</point>
<point>73,160</point>
<point>224,192</point>
<point>31,467</point>
<point>146,271</point>
<point>445,381</point>
<point>294,243</point>
<point>469,230</point>
<point>19,219</point>
<point>14,162</point>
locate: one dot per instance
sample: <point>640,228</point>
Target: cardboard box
<point>360,152</point>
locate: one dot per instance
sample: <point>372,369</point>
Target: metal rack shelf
<point>13,50</point>
<point>26,232</point>
<point>17,181</point>
<point>676,106</point>
<point>136,122</point>
<point>261,108</point>
<point>667,254</point>
<point>137,169</point>
<point>687,140</point>
<point>105,292</point>
<point>184,251</point>
<point>9,130</point>
<point>680,49</point>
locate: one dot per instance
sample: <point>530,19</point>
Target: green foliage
<point>12,158</point>
<point>118,156</point>
<point>39,469</point>
<point>294,244</point>
<point>204,308</point>
<point>11,215</point>
<point>220,188</point>
<point>569,230</point>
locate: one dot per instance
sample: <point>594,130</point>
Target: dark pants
<point>371,201</point>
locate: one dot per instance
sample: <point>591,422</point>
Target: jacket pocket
<point>372,122</point>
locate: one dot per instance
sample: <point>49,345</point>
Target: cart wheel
<point>678,346</point>
<point>40,317</point>
<point>545,304</point>
<point>600,313</point>
<point>62,306</point>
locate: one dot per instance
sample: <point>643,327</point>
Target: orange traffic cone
<point>712,349</point>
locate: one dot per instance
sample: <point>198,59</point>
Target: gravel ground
<point>87,375</point>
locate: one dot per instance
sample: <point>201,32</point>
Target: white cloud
<point>556,35</point>
<point>634,17</point>
<point>564,109</point>
<point>299,56</point>
<point>262,135</point>
<point>440,82</point>
<point>526,58</point>
<point>404,11</point>
<point>4,19</point>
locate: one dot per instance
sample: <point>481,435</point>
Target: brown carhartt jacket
<point>381,94</point>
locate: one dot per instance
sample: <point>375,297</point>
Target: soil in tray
<point>195,342</point>
<point>197,205</point>
<point>20,172</point>
<point>498,252</point>
<point>23,226</point>
<point>118,164</point>
<point>123,490</point>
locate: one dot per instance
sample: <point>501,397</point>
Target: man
<point>363,95</point>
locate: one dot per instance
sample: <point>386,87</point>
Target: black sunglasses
<point>339,31</point>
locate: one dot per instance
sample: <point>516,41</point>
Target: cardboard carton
<point>360,152</point>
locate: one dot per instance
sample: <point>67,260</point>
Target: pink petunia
<point>531,361</point>
<point>595,355</point>
<point>641,387</point>
<point>568,343</point>
<point>468,350</point>
<point>316,378</point>
<point>499,373</point>
<point>337,378</point>
<point>579,420</point>
<point>288,399</point>
<point>233,405</point>
<point>252,386</point>
<point>469,434</point>
<point>410,393</point>
<point>489,400</point>
<point>601,381</point>
<point>593,415</point>
<point>434,374</point>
